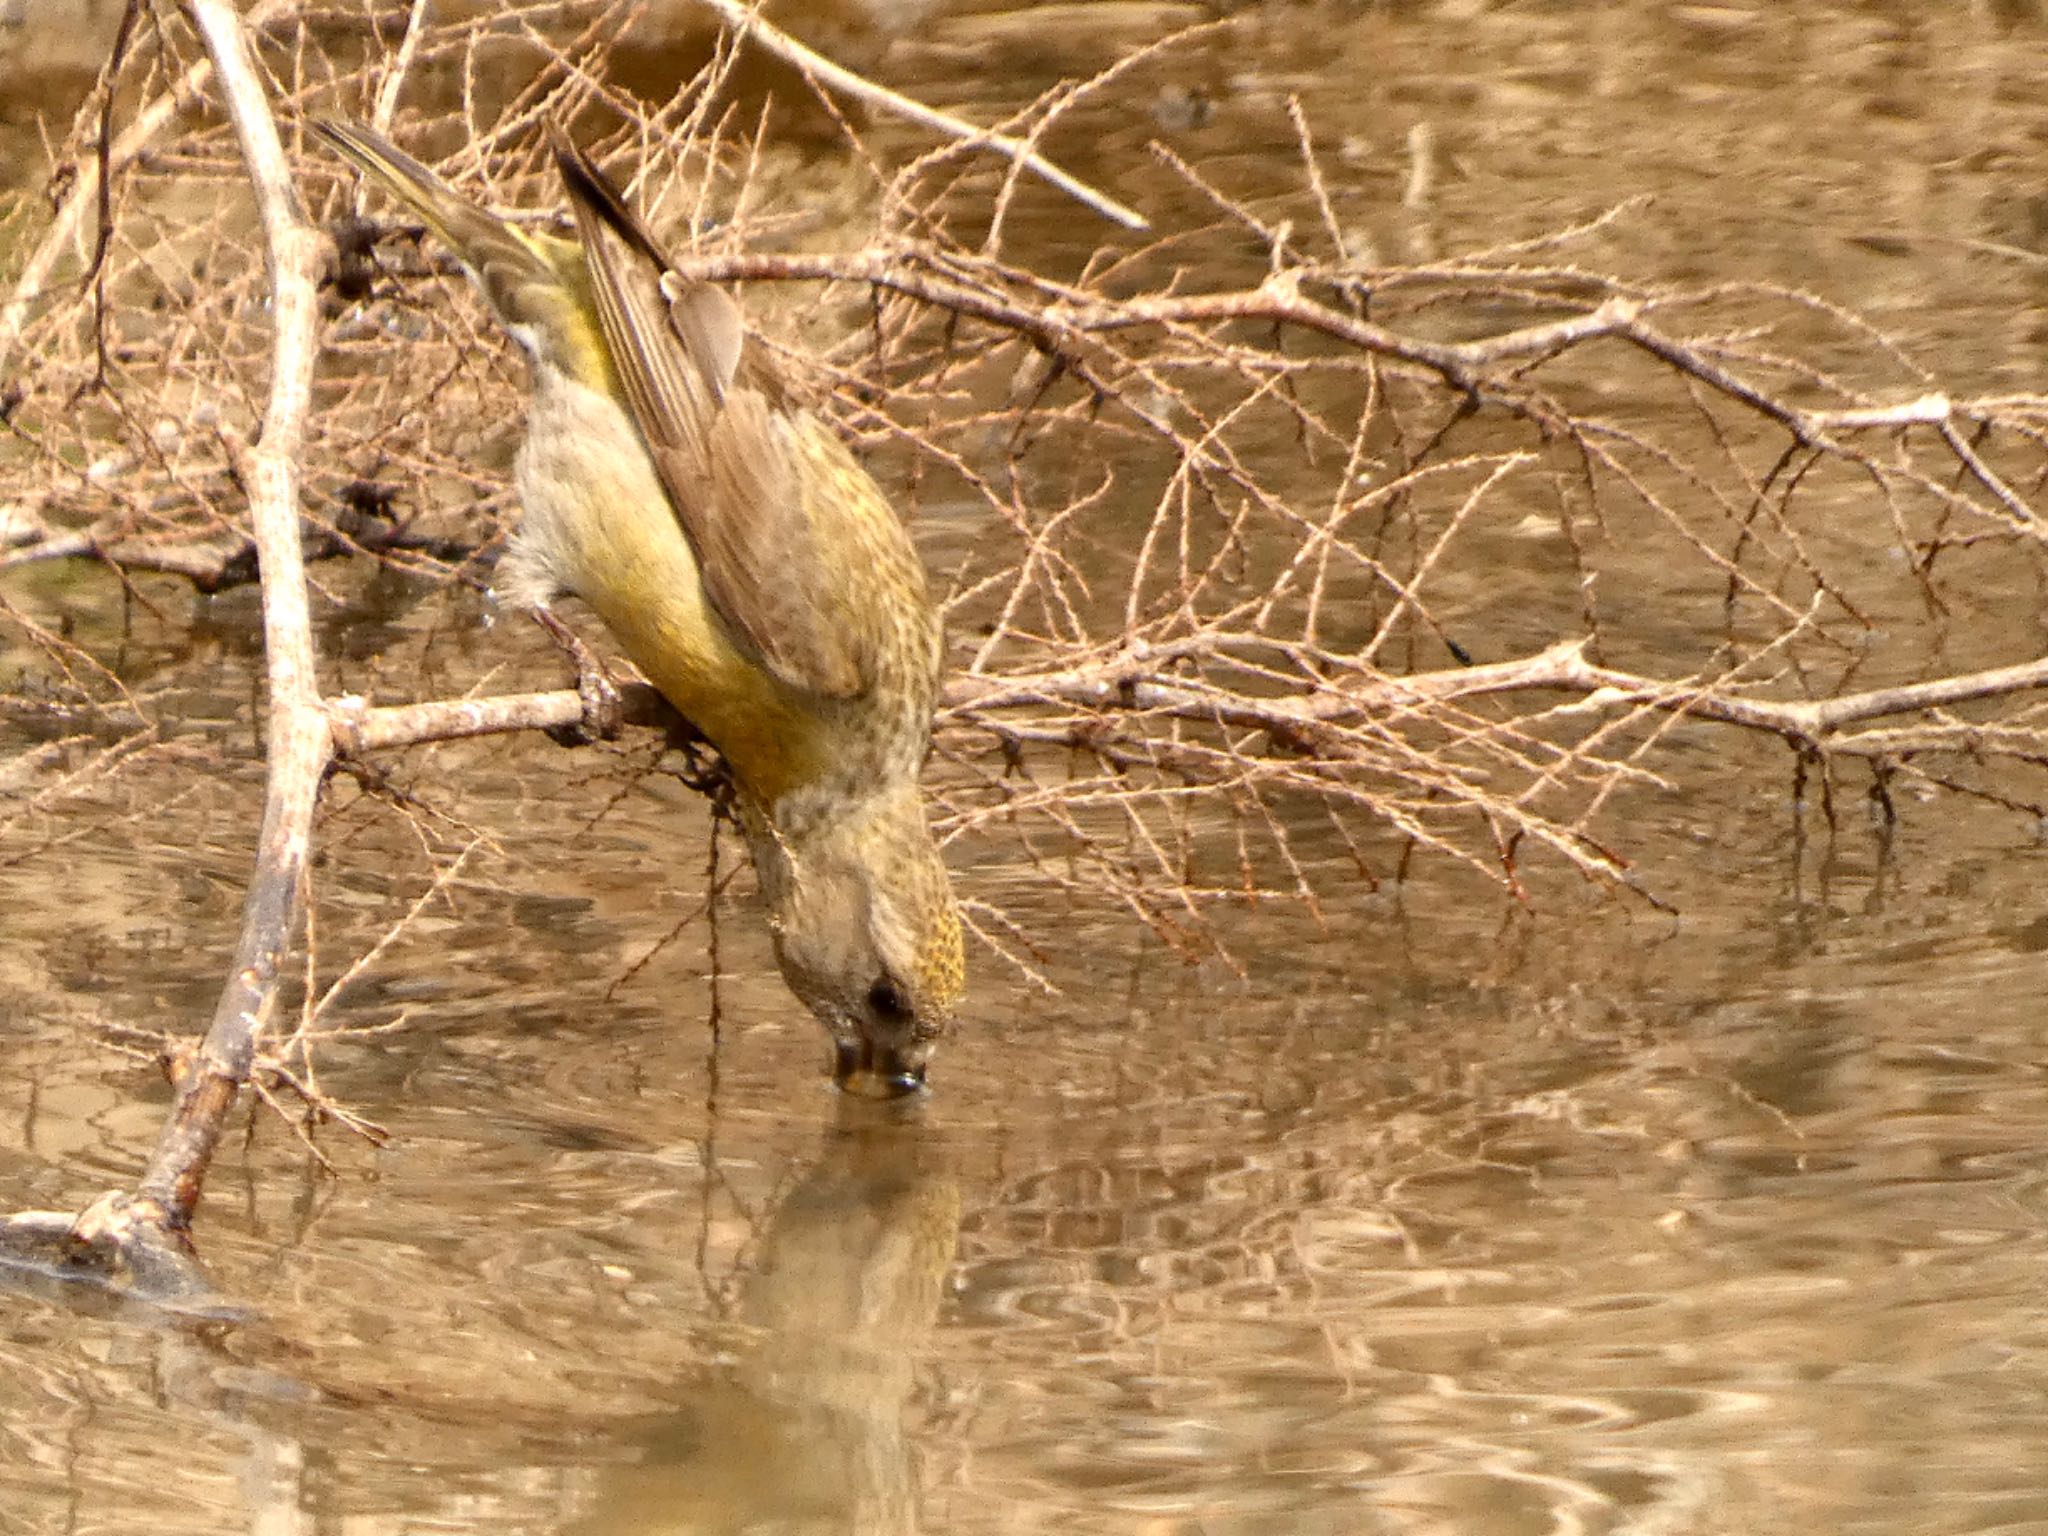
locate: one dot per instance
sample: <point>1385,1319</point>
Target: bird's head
<point>869,939</point>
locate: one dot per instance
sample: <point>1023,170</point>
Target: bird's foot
<point>603,713</point>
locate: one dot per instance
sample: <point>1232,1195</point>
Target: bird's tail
<point>505,264</point>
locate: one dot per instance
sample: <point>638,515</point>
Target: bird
<point>752,570</point>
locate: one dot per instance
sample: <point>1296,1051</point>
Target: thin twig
<point>746,20</point>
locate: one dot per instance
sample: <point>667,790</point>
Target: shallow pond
<point>1442,1215</point>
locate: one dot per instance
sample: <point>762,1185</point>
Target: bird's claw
<point>603,712</point>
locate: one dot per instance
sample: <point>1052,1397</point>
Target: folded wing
<point>729,453</point>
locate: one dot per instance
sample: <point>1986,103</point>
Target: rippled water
<point>1442,1217</point>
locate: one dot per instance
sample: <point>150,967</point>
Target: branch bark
<point>746,21</point>
<point>1131,683</point>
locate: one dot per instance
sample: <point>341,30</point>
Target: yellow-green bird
<point>750,567</point>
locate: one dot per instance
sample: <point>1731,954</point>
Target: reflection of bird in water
<point>808,1436</point>
<point>750,567</point>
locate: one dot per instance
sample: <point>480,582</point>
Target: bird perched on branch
<point>750,567</point>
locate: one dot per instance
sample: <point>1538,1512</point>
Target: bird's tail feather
<point>502,261</point>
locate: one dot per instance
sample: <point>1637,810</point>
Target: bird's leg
<point>603,714</point>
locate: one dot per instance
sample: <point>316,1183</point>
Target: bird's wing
<point>730,457</point>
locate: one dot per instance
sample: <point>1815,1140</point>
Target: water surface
<point>1442,1214</point>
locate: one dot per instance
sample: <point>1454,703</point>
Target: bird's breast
<point>597,523</point>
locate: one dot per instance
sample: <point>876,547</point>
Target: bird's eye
<point>887,1000</point>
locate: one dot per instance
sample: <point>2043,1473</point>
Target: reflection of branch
<point>746,20</point>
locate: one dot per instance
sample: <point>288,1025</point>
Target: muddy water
<point>1444,1217</point>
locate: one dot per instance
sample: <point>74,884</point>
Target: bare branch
<point>747,21</point>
